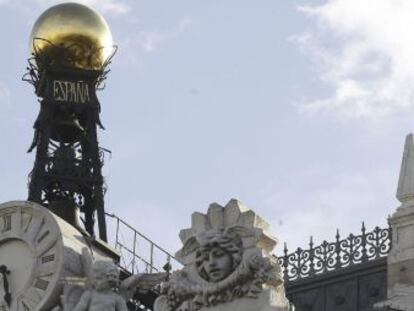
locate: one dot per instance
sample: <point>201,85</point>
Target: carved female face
<point>218,255</point>
<point>217,264</point>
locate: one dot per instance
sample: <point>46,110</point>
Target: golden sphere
<point>76,34</point>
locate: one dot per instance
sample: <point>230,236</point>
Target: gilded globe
<point>72,34</point>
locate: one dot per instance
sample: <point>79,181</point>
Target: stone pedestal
<point>401,256</point>
<point>400,260</point>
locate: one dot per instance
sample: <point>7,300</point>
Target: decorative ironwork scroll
<point>342,253</point>
<point>68,56</point>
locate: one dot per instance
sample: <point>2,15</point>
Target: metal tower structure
<point>67,173</point>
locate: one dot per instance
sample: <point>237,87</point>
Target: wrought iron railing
<point>138,253</point>
<point>327,257</point>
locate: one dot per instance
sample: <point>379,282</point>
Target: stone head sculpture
<point>219,253</point>
<point>226,256</point>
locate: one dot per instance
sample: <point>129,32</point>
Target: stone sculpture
<point>101,288</point>
<point>227,265</point>
<point>102,296</point>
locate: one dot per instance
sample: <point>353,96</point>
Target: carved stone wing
<point>71,296</point>
<point>87,262</point>
<point>141,283</point>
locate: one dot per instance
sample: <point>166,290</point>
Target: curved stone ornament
<point>227,265</point>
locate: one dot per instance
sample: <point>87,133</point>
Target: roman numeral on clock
<point>43,236</point>
<point>7,223</point>
<point>48,258</point>
<point>25,307</point>
<point>26,304</point>
<point>34,227</point>
<point>41,284</point>
<point>29,300</point>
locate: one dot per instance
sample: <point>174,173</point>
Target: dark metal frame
<point>355,288</point>
<point>347,274</point>
<point>67,171</point>
<point>327,257</point>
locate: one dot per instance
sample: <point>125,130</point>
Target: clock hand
<point>7,296</point>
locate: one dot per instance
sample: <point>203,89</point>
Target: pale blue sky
<point>297,108</point>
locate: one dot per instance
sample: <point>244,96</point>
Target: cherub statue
<point>103,289</point>
<point>102,296</point>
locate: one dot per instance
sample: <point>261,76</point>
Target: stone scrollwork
<point>226,257</point>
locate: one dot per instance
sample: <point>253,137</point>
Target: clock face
<point>30,248</point>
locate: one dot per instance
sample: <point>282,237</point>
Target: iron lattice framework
<point>67,172</point>
<point>329,257</point>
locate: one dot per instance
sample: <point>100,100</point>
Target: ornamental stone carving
<point>100,288</point>
<point>227,265</point>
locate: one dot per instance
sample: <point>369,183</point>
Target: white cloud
<point>317,202</point>
<point>110,6</point>
<point>113,7</point>
<point>364,49</point>
<point>150,41</point>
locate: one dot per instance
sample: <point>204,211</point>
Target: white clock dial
<point>42,252</point>
<point>30,244</point>
<point>17,257</point>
